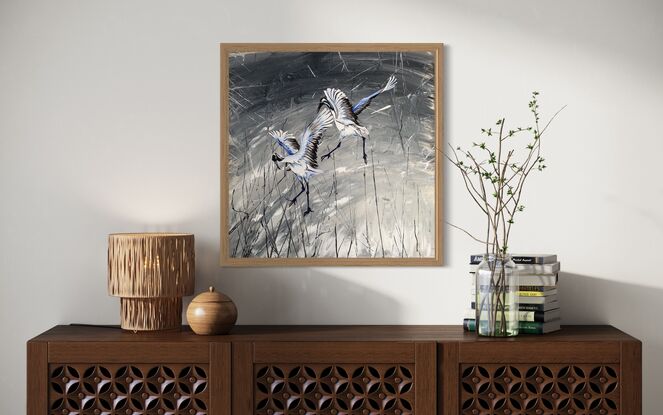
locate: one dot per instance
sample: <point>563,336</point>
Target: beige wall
<point>109,121</point>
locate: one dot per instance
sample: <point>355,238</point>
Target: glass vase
<point>496,297</point>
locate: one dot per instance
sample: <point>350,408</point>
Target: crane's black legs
<point>326,156</point>
<point>308,203</point>
<point>304,189</point>
<point>363,147</point>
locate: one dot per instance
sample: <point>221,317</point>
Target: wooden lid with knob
<point>211,296</point>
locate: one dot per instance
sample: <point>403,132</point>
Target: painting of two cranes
<point>331,155</point>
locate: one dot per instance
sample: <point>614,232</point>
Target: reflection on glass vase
<point>497,296</point>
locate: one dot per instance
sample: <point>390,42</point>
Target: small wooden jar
<point>211,312</point>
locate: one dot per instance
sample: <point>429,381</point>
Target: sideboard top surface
<point>406,333</point>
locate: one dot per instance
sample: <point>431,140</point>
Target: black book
<point>521,259</point>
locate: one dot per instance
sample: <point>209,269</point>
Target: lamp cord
<point>101,326</point>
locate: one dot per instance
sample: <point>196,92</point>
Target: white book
<point>545,280</point>
<point>530,269</point>
<point>537,300</point>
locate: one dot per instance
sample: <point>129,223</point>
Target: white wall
<point>109,121</point>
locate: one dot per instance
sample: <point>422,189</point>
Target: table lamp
<point>151,272</point>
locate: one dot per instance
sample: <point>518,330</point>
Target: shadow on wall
<point>634,309</point>
<point>294,295</point>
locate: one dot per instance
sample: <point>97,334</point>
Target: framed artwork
<point>331,154</point>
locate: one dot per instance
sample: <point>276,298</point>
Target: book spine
<point>530,327</point>
<point>540,288</point>
<point>521,307</point>
<point>531,307</point>
<point>531,294</point>
<point>519,259</point>
<point>468,324</point>
<point>475,259</point>
<point>524,327</point>
<point>528,288</point>
<point>533,269</point>
<point>538,269</point>
<point>528,260</point>
<point>534,316</point>
<point>537,316</point>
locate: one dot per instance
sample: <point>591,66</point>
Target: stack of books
<point>538,311</point>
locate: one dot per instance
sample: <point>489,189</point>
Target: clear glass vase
<point>496,297</point>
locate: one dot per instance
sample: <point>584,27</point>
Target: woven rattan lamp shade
<point>151,272</point>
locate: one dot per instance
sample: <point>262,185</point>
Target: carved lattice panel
<point>334,389</point>
<point>113,389</point>
<point>540,389</point>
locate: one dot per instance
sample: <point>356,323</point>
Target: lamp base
<point>148,314</point>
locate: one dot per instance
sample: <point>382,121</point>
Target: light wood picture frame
<point>331,154</point>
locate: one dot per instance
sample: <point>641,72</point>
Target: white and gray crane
<point>346,114</point>
<point>302,156</point>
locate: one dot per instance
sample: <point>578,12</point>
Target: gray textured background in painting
<point>382,209</point>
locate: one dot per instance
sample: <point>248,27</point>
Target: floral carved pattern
<point>111,389</point>
<point>334,389</point>
<point>581,389</point>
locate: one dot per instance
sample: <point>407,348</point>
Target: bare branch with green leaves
<point>494,171</point>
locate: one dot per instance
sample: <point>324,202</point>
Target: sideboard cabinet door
<point>334,378</point>
<point>543,378</point>
<point>136,377</point>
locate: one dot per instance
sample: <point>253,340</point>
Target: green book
<point>524,327</point>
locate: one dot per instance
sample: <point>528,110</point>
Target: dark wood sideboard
<point>335,370</point>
